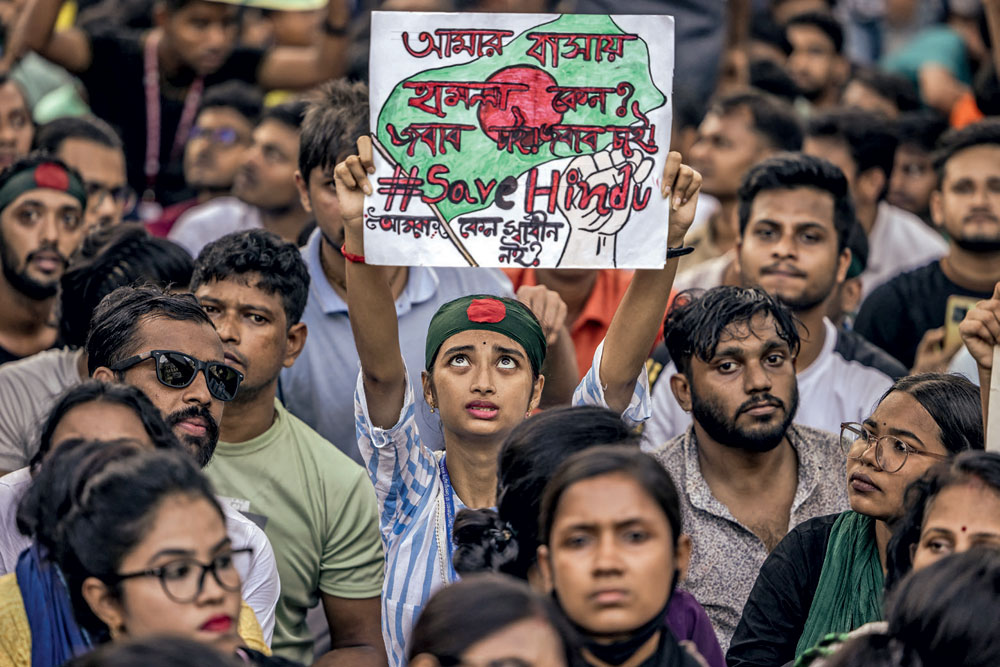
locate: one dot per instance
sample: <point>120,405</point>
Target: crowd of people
<point>226,438</point>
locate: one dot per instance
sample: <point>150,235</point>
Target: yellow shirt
<point>15,633</point>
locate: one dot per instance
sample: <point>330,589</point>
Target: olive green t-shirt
<point>317,508</point>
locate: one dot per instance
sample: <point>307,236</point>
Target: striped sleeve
<point>400,467</point>
<point>591,392</point>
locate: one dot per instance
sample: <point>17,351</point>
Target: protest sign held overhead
<point>519,140</point>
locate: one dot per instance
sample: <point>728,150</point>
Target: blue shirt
<point>319,388</point>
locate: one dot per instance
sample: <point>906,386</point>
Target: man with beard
<point>312,500</point>
<point>164,344</point>
<point>41,223</point>
<point>816,63</point>
<point>265,194</point>
<point>796,219</point>
<point>744,473</point>
<point>907,315</point>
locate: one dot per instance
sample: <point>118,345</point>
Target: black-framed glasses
<point>450,661</point>
<point>184,579</point>
<point>890,452</point>
<point>224,136</point>
<point>177,370</point>
<point>123,195</point>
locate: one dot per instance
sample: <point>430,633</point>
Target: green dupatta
<point>849,592</point>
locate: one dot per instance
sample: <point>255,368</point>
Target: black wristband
<point>334,31</point>
<point>679,252</point>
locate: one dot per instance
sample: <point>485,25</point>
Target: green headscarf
<point>482,311</point>
<point>849,591</point>
<point>47,175</point>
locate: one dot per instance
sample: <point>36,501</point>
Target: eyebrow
<point>734,351</point>
<point>898,432</point>
<point>624,523</point>
<point>510,351</point>
<point>238,305</point>
<point>188,553</point>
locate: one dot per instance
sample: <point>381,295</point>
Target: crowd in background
<point>225,438</point>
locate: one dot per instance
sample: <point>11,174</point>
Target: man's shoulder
<point>810,436</point>
<point>671,453</point>
<point>905,285</point>
<point>324,457</point>
<point>43,370</point>
<point>853,347</point>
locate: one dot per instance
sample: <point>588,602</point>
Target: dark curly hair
<point>277,266</point>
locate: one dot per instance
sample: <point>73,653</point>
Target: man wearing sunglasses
<point>165,345</point>
<point>90,146</point>
<point>215,149</point>
<point>313,501</point>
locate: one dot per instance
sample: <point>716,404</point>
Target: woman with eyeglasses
<point>488,620</point>
<point>128,543</point>
<point>828,574</point>
<point>483,374</point>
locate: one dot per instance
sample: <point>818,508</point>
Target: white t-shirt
<point>28,388</point>
<point>899,242</point>
<point>201,225</point>
<point>835,388</point>
<point>260,589</point>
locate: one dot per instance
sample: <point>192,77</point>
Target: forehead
<point>274,131</point>
<point>477,338</point>
<point>101,419</point>
<point>750,336</point>
<point>240,290</point>
<point>899,410</point>
<point>736,121</point>
<point>976,162</point>
<point>793,206</point>
<point>52,199</point>
<point>805,35</point>
<point>11,97</point>
<point>214,117</point>
<point>196,339</point>
<point>89,156</point>
<point>606,499</point>
<point>179,521</point>
<point>833,149</point>
<point>206,10</point>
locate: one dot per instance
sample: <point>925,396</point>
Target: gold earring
<point>432,409</point>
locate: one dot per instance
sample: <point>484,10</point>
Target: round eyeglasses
<point>184,579</point>
<point>890,452</point>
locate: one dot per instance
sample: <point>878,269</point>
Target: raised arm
<point>370,304</point>
<point>633,328</point>
<point>981,333</point>
<point>304,67</point>
<point>33,31</point>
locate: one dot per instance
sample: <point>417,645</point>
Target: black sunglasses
<point>177,370</point>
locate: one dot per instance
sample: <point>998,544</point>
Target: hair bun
<point>483,542</point>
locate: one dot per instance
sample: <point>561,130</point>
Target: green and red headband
<point>47,175</point>
<point>482,311</point>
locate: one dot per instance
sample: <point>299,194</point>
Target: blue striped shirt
<point>409,491</point>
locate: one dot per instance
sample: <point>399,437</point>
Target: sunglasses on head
<point>177,370</point>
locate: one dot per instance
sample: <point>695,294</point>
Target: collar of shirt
<point>421,284</point>
<point>700,494</point>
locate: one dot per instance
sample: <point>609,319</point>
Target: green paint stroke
<point>480,156</point>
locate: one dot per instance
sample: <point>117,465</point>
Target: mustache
<point>175,418</point>
<point>784,268</point>
<point>980,213</point>
<point>48,249</point>
<point>758,401</point>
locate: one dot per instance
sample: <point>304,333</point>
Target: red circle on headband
<point>52,176</point>
<point>486,310</point>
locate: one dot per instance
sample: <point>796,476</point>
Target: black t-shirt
<point>897,314</point>
<point>776,611</point>
<point>115,89</point>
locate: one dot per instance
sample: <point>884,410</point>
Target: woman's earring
<point>432,409</point>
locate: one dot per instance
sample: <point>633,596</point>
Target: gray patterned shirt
<point>726,555</point>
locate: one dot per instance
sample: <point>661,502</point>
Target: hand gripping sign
<point>519,140</point>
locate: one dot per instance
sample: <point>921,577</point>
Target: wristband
<point>679,252</point>
<point>351,257</point>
